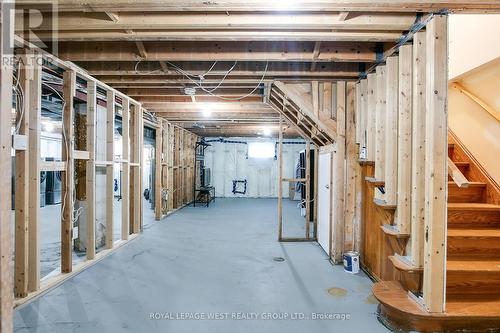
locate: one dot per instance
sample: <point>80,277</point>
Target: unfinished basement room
<point>249,166</point>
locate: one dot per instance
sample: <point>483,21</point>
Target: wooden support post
<point>315,182</point>
<point>391,131</point>
<point>125,168</point>
<point>280,177</point>
<point>158,169</point>
<point>135,194</point>
<point>308,187</point>
<point>6,278</point>
<point>22,182</point>
<point>359,137</point>
<point>138,223</point>
<point>35,115</point>
<point>339,176</point>
<point>370,116</point>
<point>436,173</point>
<point>418,152</point>
<point>90,170</point>
<point>110,155</point>
<point>353,168</point>
<point>68,175</point>
<point>403,210</point>
<point>170,163</point>
<point>363,84</point>
<point>380,128</point>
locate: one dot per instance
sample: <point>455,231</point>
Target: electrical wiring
<point>76,214</point>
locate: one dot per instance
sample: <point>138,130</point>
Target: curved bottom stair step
<point>399,312</point>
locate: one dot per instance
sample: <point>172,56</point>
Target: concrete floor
<point>206,261</point>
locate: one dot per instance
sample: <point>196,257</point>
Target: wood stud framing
<point>90,170</point>
<point>110,156</point>
<point>418,150</point>
<point>391,131</point>
<point>403,212</point>
<point>436,172</point>
<point>380,117</point>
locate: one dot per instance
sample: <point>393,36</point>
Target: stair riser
<point>473,283</point>
<point>468,194</point>
<point>473,219</point>
<point>473,247</point>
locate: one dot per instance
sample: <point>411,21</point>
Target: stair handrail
<point>477,100</point>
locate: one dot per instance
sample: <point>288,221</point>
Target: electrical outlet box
<point>19,142</point>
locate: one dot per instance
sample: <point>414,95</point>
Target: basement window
<point>261,150</point>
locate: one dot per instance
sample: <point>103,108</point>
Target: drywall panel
<point>228,162</point>
<point>473,41</point>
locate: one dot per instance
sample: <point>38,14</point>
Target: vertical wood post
<point>418,151</point>
<point>403,211</point>
<point>339,176</point>
<point>308,187</point>
<point>125,167</point>
<point>6,278</point>
<point>380,118</point>
<point>315,182</point>
<point>90,170</point>
<point>68,175</point>
<point>391,131</point>
<point>370,116</point>
<point>436,174</point>
<point>358,113</point>
<point>35,115</point>
<point>352,167</point>
<point>22,181</point>
<point>110,156</point>
<point>363,84</point>
<point>158,169</point>
<point>280,182</point>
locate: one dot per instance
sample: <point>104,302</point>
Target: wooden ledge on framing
<point>366,162</point>
<point>384,205</point>
<point>392,231</point>
<point>403,264</point>
<point>375,182</point>
<point>294,180</point>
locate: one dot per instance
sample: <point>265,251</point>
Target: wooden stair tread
<point>392,231</point>
<point>461,164</point>
<point>392,294</point>
<point>474,206</point>
<point>454,265</point>
<point>468,232</point>
<point>471,184</point>
<point>402,265</point>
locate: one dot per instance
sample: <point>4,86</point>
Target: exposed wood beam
<point>150,101</point>
<point>265,5</point>
<point>135,92</point>
<point>220,51</point>
<point>234,21</point>
<point>220,35</point>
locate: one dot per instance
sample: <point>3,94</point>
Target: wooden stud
<point>110,155</point>
<point>370,116</point>
<point>418,152</point>
<point>380,117</point>
<point>308,187</point>
<point>280,176</point>
<point>68,175</point>
<point>353,169</point>
<point>358,114</point>
<point>22,183</point>
<point>315,182</point>
<point>403,211</point>
<point>338,176</point>
<point>363,116</point>
<point>125,169</point>
<point>35,115</point>
<point>90,170</point>
<point>391,131</point>
<point>158,170</point>
<point>6,273</point>
<point>436,173</point>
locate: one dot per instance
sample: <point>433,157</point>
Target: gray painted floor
<point>206,261</point>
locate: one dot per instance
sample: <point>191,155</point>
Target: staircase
<point>473,258</point>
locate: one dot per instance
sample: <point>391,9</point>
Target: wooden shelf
<point>366,162</point>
